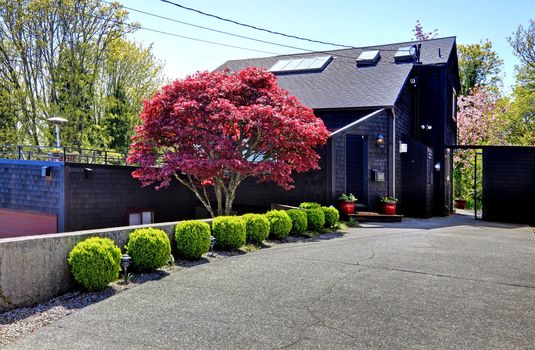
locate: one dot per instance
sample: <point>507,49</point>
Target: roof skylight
<point>368,57</point>
<point>301,64</point>
<point>404,54</point>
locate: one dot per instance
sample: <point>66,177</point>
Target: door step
<point>368,216</point>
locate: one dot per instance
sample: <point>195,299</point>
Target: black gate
<point>504,183</point>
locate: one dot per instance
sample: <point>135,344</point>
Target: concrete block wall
<point>34,269</point>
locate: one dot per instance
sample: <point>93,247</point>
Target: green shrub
<point>95,262</point>
<point>309,205</point>
<point>315,219</point>
<point>229,231</point>
<point>331,216</point>
<point>192,238</point>
<point>299,221</point>
<point>257,227</point>
<point>280,224</point>
<point>149,248</point>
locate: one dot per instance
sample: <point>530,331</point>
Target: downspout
<point>392,177</point>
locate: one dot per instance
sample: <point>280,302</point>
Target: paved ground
<point>448,283</point>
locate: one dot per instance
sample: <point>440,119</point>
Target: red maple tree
<point>215,129</point>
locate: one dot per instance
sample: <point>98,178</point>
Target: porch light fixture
<point>57,121</point>
<point>379,141</point>
<point>125,262</point>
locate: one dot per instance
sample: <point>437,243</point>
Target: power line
<point>254,27</point>
<point>213,30</point>
<point>177,35</point>
<point>206,41</point>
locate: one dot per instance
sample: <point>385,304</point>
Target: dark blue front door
<point>357,167</point>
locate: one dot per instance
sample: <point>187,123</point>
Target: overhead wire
<point>255,27</point>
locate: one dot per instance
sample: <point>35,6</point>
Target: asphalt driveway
<point>447,283</point>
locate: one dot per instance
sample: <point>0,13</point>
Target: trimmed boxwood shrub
<point>95,262</point>
<point>299,221</point>
<point>331,216</point>
<point>257,228</point>
<point>280,224</point>
<point>315,219</point>
<point>149,248</point>
<point>229,232</point>
<point>192,238</point>
<point>309,205</point>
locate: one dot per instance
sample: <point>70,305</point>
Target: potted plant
<point>389,205</point>
<point>347,203</point>
<point>460,203</point>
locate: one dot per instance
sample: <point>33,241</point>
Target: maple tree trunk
<point>219,198</point>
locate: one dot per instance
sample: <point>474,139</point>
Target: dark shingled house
<point>391,112</point>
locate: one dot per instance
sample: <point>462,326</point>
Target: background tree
<point>479,65</point>
<point>521,126</point>
<point>217,129</point>
<point>54,57</point>
<point>421,35</point>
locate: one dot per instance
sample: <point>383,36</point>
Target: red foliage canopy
<point>214,125</point>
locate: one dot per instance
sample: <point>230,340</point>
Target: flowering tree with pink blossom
<point>215,129</point>
<point>419,33</point>
<point>479,122</point>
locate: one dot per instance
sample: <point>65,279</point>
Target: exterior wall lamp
<point>379,141</point>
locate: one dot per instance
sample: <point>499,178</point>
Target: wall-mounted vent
<point>309,64</point>
<point>368,58</point>
<point>404,54</point>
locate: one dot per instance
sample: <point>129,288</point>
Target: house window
<point>140,217</point>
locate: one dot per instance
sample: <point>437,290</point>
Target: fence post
<point>105,157</point>
<point>19,151</point>
<point>64,153</point>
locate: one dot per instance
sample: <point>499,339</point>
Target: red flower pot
<point>347,207</point>
<point>389,208</point>
<point>460,203</point>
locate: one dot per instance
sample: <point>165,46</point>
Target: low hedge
<point>309,205</point>
<point>299,221</point>
<point>149,248</point>
<point>256,227</point>
<point>331,216</point>
<point>95,262</point>
<point>280,224</point>
<point>229,231</point>
<point>192,238</point>
<point>315,219</point>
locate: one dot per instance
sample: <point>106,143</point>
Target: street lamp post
<point>57,121</point>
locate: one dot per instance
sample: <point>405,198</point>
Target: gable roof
<point>344,85</point>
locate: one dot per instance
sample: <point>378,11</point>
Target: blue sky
<point>353,23</point>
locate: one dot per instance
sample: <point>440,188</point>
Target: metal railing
<point>62,154</point>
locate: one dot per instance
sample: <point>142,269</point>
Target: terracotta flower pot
<point>389,208</point>
<point>347,207</point>
<point>460,203</point>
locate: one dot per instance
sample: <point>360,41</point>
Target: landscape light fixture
<point>426,127</point>
<point>212,243</point>
<point>380,141</point>
<point>57,121</point>
<point>125,262</point>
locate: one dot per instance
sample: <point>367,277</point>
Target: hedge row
<point>95,262</point>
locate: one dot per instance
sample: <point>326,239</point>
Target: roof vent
<point>404,54</point>
<point>309,64</point>
<point>368,58</point>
